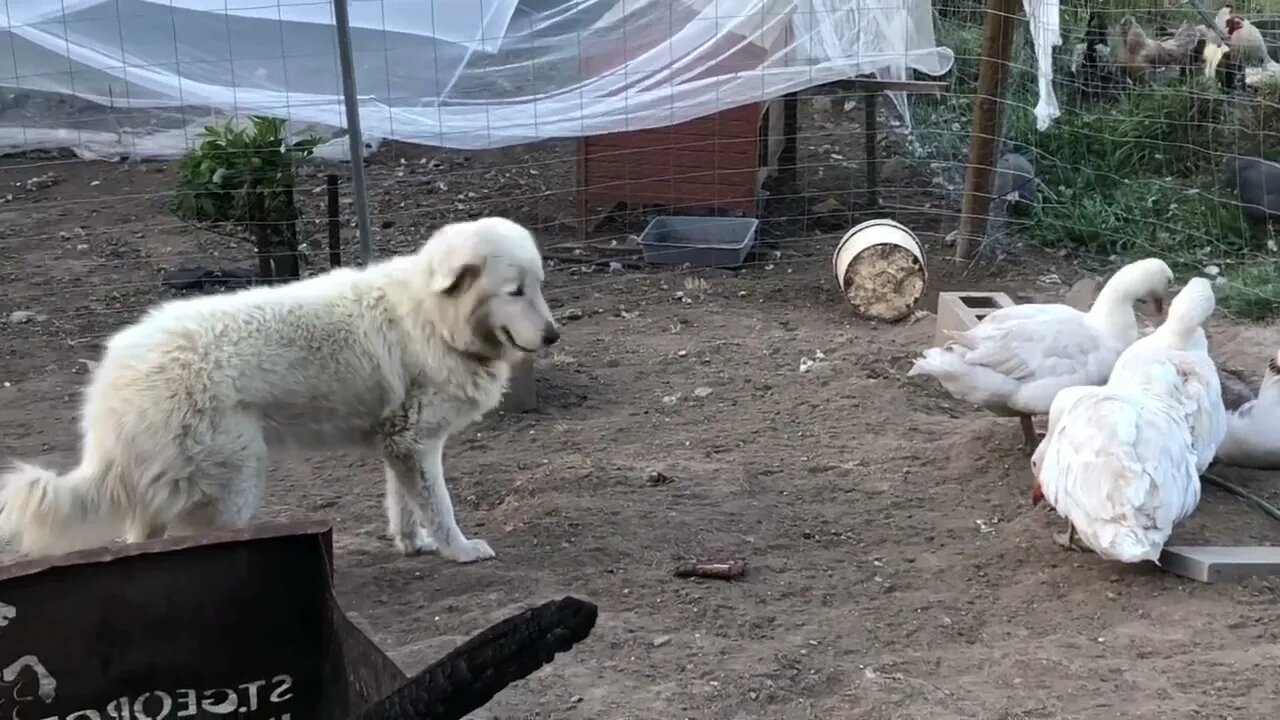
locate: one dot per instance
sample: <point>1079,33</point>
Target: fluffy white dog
<point>179,414</point>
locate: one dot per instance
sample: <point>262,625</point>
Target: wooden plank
<point>611,175</point>
<point>742,155</point>
<point>650,143</point>
<point>708,162</point>
<point>674,197</point>
<point>583,181</point>
<point>788,163</point>
<point>744,130</point>
<point>631,192</point>
<point>737,113</point>
<point>602,173</point>
<point>682,200</point>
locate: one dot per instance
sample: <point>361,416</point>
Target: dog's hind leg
<point>230,481</point>
<point>417,466</point>
<point>405,526</point>
<point>240,497</point>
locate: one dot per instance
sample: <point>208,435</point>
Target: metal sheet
<point>240,624</point>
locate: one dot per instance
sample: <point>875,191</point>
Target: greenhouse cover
<point>109,78</point>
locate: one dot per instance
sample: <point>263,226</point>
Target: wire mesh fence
<point>1150,111</point>
<point>210,196</point>
<point>1131,167</point>
<point>691,408</point>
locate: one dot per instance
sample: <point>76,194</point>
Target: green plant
<point>1259,123</point>
<point>245,177</point>
<point>1128,173</point>
<point>1251,291</point>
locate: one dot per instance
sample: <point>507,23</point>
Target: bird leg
<point>1030,439</point>
<point>1068,539</point>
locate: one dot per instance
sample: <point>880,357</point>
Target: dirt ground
<point>896,568</point>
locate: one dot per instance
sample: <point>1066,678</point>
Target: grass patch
<point>1252,293</point>
<point>1130,177</point>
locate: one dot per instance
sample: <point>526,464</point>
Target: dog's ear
<point>458,280</point>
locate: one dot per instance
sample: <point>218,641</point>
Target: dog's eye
<point>518,292</point>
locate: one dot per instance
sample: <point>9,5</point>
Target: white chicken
<point>1253,430</point>
<point>1248,58</point>
<point>1122,462</point>
<point>1018,358</point>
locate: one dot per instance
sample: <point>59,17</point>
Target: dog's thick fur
<point>179,414</point>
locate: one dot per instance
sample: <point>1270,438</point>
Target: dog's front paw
<point>468,551</point>
<point>416,543</point>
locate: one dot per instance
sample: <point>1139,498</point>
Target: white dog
<point>180,412</point>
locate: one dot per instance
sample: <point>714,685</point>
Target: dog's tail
<point>45,512</point>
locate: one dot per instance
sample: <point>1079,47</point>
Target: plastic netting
<point>108,78</point>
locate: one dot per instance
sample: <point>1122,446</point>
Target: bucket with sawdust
<point>880,268</point>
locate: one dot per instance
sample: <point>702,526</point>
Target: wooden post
<point>788,159</point>
<point>871,89</point>
<point>335,221</point>
<point>870,136</point>
<point>999,20</point>
<point>261,234</point>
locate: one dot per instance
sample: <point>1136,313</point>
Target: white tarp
<point>144,75</point>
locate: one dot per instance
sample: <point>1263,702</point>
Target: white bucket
<point>884,284</point>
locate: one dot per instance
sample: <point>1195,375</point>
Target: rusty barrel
<point>236,624</point>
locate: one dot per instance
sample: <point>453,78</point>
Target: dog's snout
<point>550,335</point>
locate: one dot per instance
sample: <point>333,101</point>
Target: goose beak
<point>1158,303</point>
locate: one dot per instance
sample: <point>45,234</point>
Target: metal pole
<point>999,20</point>
<point>335,220</point>
<point>342,23</point>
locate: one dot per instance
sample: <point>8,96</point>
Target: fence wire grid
<point>1130,169</point>
<point>693,411</point>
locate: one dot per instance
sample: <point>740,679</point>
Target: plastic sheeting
<point>1045,19</point>
<point>139,77</point>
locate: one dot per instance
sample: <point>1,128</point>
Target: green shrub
<point>244,177</point>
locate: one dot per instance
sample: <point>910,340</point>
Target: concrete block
<point>1213,563</point>
<point>522,391</point>
<point>959,311</point>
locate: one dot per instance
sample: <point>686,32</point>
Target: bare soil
<point>895,566</point>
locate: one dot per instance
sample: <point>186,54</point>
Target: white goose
<point>1187,349</point>
<point>1017,359</point>
<point>1122,462</point>
<point>1253,430</point>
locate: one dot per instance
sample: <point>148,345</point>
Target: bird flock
<point>1134,418</point>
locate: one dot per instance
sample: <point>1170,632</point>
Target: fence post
<point>999,20</point>
<point>342,23</point>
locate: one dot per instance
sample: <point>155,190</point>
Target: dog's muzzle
<point>550,335</point>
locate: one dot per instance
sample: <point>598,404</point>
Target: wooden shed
<point>713,162</point>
